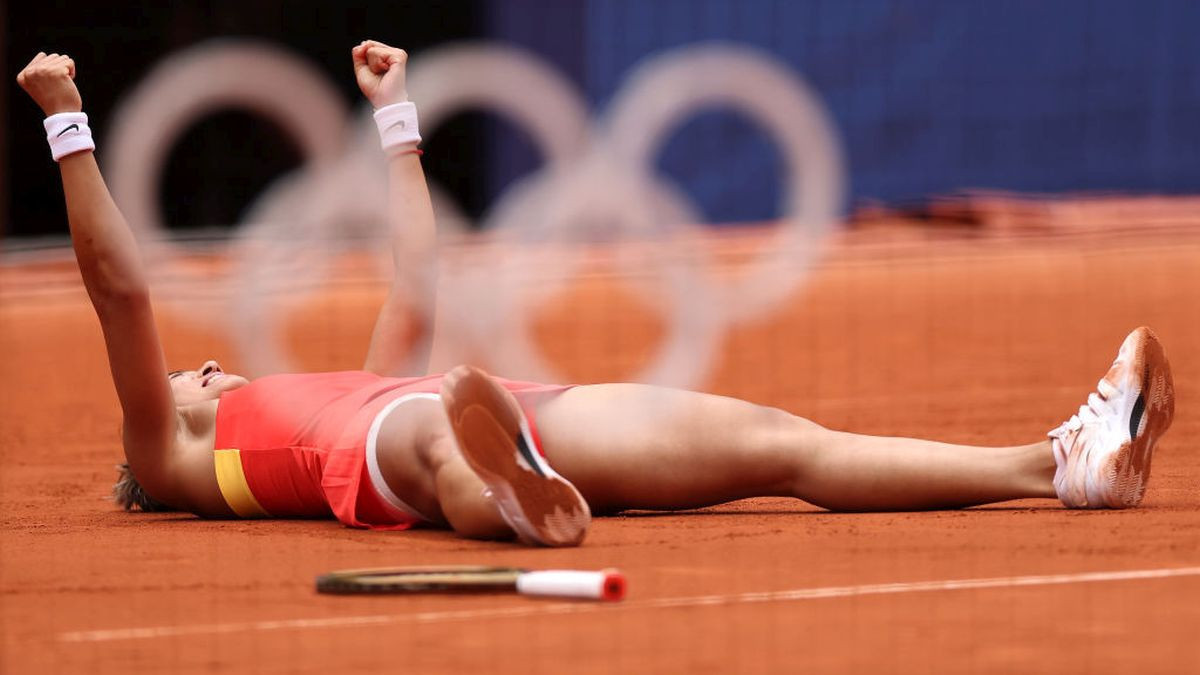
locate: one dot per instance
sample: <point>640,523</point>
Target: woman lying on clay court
<point>491,458</point>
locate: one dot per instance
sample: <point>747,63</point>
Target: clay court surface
<point>972,335</point>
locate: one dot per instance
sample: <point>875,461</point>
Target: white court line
<point>536,609</point>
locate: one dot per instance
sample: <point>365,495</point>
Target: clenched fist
<point>379,70</point>
<point>49,79</point>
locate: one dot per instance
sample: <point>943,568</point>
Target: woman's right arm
<point>110,264</point>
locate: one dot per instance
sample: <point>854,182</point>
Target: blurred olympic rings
<point>598,184</point>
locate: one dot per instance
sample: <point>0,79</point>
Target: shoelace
<point>1099,405</point>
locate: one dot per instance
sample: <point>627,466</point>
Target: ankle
<point>479,520</point>
<point>1039,467</point>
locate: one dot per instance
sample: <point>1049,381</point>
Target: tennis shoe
<point>1103,453</point>
<point>494,437</point>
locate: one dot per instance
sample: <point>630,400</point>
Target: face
<point>205,384</point>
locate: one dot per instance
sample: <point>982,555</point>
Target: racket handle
<point>604,585</point>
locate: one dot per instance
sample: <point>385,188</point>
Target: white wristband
<point>397,126</point>
<point>68,133</point>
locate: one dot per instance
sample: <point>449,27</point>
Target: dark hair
<point>129,495</point>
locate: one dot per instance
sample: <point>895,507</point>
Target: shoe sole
<point>494,439</point>
<point>1127,471</point>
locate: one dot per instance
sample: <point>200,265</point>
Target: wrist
<point>391,99</point>
<point>57,104</point>
<point>64,108</point>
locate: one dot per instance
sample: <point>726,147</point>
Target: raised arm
<point>403,333</point>
<point>112,273</point>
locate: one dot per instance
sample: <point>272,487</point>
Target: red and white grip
<point>603,585</point>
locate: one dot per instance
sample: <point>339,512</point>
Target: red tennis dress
<point>294,446</point>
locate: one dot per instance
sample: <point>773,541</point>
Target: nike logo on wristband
<point>73,126</point>
<point>400,124</point>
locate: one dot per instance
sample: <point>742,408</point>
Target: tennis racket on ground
<point>603,585</point>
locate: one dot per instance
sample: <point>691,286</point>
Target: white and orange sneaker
<point>1103,453</point>
<point>493,436</point>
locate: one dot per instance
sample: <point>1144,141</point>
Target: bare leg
<point>634,446</point>
<point>420,461</point>
<point>461,495</point>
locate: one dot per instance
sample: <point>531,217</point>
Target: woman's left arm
<point>403,335</point>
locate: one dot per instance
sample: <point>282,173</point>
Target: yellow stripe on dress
<point>234,487</point>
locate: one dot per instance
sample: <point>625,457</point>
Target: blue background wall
<point>928,96</point>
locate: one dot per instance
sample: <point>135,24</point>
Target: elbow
<point>121,305</point>
<point>131,495</point>
<point>120,299</point>
<point>113,283</point>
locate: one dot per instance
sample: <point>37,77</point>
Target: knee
<point>438,449</point>
<point>780,427</point>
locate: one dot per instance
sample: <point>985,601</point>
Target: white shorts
<point>391,501</point>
